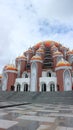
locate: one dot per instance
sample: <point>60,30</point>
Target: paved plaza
<point>37,117</point>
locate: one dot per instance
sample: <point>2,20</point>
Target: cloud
<point>23,23</point>
<point>47,28</point>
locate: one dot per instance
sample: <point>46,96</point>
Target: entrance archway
<point>67,80</point>
<point>18,87</point>
<point>26,87</point>
<point>43,87</point>
<point>52,87</point>
<point>58,89</point>
<point>12,88</point>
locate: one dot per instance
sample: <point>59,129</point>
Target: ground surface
<point>36,117</point>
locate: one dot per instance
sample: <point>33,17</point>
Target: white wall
<point>44,73</point>
<point>22,81</point>
<point>48,81</point>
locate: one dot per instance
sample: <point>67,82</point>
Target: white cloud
<point>19,25</point>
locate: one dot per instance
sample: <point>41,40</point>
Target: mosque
<point>47,66</point>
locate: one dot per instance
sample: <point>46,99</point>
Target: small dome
<point>57,53</point>
<point>36,57</point>
<point>63,63</point>
<point>48,43</point>
<point>40,50</point>
<point>21,57</point>
<point>42,46</point>
<point>29,51</point>
<point>70,52</point>
<point>54,48</point>
<point>10,67</point>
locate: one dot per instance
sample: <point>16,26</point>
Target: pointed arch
<point>67,80</point>
<point>18,87</point>
<point>43,87</point>
<point>25,87</point>
<point>52,86</point>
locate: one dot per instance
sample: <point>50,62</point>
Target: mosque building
<point>47,66</point>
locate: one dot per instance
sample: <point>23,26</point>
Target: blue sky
<point>23,23</point>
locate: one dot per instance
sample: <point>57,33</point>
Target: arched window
<point>67,80</point>
<point>49,74</point>
<point>52,87</point>
<point>43,87</point>
<point>25,87</point>
<point>18,87</point>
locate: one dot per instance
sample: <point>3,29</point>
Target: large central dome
<point>46,43</point>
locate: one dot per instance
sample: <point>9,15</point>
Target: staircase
<point>39,97</point>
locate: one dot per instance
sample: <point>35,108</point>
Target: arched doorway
<point>52,87</point>
<point>18,87</point>
<point>43,89</point>
<point>67,80</point>
<point>12,88</point>
<point>26,87</point>
<point>58,88</point>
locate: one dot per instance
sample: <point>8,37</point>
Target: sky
<point>24,23</point>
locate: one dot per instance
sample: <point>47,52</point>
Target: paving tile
<point>5,124</point>
<point>60,114</point>
<point>36,118</point>
<point>63,128</point>
<point>43,127</point>
<point>2,113</point>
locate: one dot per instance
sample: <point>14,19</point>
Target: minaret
<point>40,52</point>
<point>69,57</point>
<point>29,54</point>
<point>21,62</point>
<point>63,73</point>
<point>57,56</point>
<point>36,72</point>
<point>9,76</point>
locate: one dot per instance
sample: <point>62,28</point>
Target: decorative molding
<point>63,67</point>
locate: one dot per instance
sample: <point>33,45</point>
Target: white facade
<point>48,81</point>
<point>22,82</point>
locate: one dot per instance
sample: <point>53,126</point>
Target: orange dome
<point>10,67</point>
<point>57,44</point>
<point>57,53</point>
<point>46,43</point>
<point>21,57</point>
<point>38,45</point>
<point>70,52</point>
<point>63,63</point>
<point>40,50</point>
<point>42,45</point>
<point>36,57</point>
<point>29,51</point>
